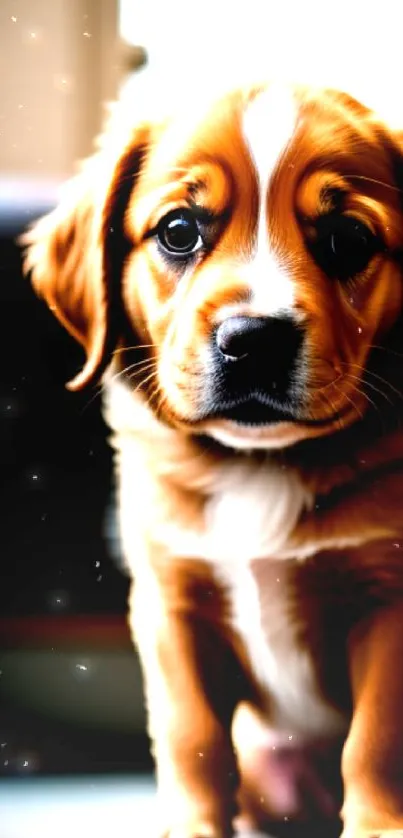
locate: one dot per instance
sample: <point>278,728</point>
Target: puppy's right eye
<point>178,232</point>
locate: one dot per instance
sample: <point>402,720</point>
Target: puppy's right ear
<point>76,253</point>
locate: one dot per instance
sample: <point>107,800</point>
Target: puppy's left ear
<point>76,254</point>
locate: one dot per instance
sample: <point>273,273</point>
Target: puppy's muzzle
<point>257,369</point>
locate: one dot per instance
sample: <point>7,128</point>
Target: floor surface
<point>79,808</point>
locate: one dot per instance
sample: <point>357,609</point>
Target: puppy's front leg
<point>372,760</point>
<point>191,688</point>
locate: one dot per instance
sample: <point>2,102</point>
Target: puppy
<point>234,273</point>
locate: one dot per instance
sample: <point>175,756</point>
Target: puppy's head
<point>241,262</point>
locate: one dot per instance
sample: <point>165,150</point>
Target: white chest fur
<point>253,511</point>
<point>250,511</point>
<point>283,669</point>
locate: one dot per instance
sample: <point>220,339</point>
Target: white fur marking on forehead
<point>269,125</point>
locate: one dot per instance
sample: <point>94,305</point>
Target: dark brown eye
<point>343,246</point>
<point>178,232</point>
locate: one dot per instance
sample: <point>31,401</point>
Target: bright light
<point>353,45</point>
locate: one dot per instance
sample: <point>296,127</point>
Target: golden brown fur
<point>299,521</point>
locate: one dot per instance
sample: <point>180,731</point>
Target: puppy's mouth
<point>254,412</point>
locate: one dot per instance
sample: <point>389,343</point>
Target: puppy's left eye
<point>343,246</point>
<point>178,232</point>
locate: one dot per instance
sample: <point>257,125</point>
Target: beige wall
<point>59,60</point>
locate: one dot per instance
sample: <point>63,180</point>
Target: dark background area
<point>60,589</point>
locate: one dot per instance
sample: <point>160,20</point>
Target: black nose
<point>256,338</point>
<point>258,370</point>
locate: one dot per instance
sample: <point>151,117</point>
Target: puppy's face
<point>256,247</point>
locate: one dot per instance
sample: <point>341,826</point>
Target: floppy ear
<point>76,253</point>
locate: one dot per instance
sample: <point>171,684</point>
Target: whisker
<point>329,402</point>
<point>368,399</point>
<point>376,376</point>
<point>386,349</point>
<point>374,180</point>
<point>346,396</point>
<point>329,384</point>
<point>153,392</point>
<point>152,375</point>
<point>139,366</point>
<point>162,398</point>
<point>386,382</point>
<point>156,395</point>
<point>367,384</point>
<point>147,363</point>
<point>131,348</point>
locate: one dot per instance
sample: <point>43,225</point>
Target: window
<point>60,61</point>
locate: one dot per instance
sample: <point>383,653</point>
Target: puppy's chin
<point>280,434</point>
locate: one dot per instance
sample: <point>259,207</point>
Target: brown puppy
<point>235,272</point>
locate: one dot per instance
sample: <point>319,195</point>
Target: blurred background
<point>70,687</point>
